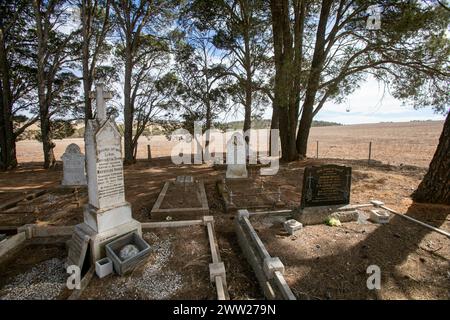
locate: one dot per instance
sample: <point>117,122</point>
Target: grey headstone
<point>73,166</point>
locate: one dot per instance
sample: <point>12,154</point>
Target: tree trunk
<point>47,143</point>
<point>8,158</point>
<point>435,186</point>
<point>314,80</point>
<point>283,62</point>
<point>42,38</point>
<point>248,87</point>
<point>128,108</point>
<point>208,125</point>
<point>274,125</point>
<point>87,78</point>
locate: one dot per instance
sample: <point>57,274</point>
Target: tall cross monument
<point>107,215</point>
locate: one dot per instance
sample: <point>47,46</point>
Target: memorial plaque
<point>326,185</point>
<point>110,186</point>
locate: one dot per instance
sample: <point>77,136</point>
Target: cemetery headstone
<point>236,157</point>
<point>73,166</point>
<point>326,185</point>
<point>326,194</point>
<point>107,215</point>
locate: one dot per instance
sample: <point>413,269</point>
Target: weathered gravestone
<point>326,194</point>
<point>107,215</point>
<point>73,166</point>
<point>236,157</point>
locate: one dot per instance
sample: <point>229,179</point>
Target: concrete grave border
<point>42,234</point>
<point>268,270</point>
<point>201,195</point>
<point>11,203</point>
<point>230,207</point>
<point>217,272</point>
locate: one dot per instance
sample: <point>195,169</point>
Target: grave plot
<point>34,272</point>
<point>184,263</point>
<point>324,262</point>
<point>184,198</point>
<point>55,206</point>
<point>259,193</point>
<point>176,268</point>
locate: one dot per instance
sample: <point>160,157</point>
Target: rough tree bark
<point>92,43</point>
<point>248,81</point>
<point>314,80</point>
<point>435,186</point>
<point>42,40</point>
<point>8,156</point>
<point>128,107</point>
<point>288,54</point>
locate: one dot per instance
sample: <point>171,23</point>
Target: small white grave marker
<point>236,157</point>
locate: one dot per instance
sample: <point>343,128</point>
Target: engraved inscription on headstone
<point>73,166</point>
<point>110,186</point>
<point>326,185</point>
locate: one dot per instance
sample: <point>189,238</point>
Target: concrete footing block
<point>377,203</point>
<point>207,219</point>
<point>272,264</point>
<point>28,229</point>
<point>243,213</point>
<point>103,267</point>
<point>291,226</point>
<point>379,216</point>
<point>217,270</point>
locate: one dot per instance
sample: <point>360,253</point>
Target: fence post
<point>370,152</point>
<point>317,149</point>
<point>149,152</point>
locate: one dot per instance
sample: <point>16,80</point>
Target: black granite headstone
<point>326,185</point>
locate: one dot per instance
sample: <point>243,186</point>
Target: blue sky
<point>371,104</point>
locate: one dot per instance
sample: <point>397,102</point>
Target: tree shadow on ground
<point>394,247</point>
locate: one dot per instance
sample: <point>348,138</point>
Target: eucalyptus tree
<point>136,23</point>
<point>56,82</point>
<point>329,51</point>
<point>95,26</point>
<point>241,30</point>
<point>17,85</point>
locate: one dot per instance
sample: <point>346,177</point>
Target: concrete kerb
<point>217,273</point>
<point>268,270</point>
<point>201,195</point>
<point>11,245</point>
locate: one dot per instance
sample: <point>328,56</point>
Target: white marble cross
<point>100,95</point>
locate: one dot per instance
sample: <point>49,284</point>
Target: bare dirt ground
<point>321,262</point>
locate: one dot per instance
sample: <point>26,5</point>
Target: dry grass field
<point>408,143</point>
